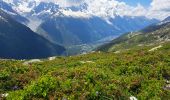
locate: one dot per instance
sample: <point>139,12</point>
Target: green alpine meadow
<point>137,72</point>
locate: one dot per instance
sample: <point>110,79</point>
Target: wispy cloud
<point>159,9</point>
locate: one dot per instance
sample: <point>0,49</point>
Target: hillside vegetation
<point>142,72</point>
<point>155,34</point>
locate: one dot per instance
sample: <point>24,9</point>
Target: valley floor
<point>142,72</point>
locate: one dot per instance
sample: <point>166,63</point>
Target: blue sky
<point>145,3</point>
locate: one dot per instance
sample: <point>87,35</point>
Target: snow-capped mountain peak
<point>33,7</point>
<point>22,6</point>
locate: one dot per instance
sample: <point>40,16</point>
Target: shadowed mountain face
<point>154,34</point>
<point>19,42</point>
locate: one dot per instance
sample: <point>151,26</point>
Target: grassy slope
<point>136,72</point>
<point>149,36</point>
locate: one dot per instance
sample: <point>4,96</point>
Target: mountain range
<point>71,27</point>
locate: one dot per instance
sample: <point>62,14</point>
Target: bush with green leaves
<point>38,89</point>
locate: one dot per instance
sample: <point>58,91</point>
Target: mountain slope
<point>155,34</point>
<point>19,42</point>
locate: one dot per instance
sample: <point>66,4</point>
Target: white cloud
<point>158,5</point>
<point>64,3</point>
<point>76,14</point>
<point>110,8</point>
<point>159,9</point>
